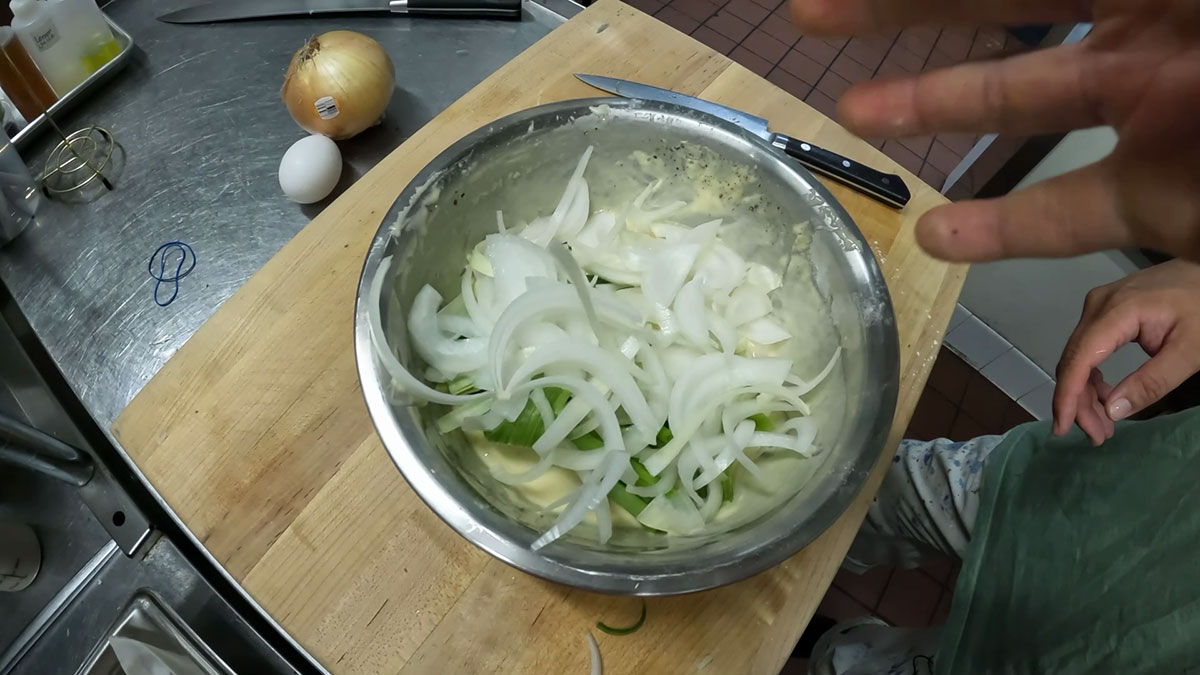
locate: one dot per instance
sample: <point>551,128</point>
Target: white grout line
<point>1000,362</point>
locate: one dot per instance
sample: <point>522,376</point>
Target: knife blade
<point>884,187</point>
<point>234,10</point>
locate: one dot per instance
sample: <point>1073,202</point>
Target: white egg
<point>310,169</point>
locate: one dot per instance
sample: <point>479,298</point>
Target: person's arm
<point>1159,309</point>
<point>1138,71</point>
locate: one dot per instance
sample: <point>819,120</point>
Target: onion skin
<point>349,67</point>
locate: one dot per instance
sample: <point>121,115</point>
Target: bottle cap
<point>22,9</point>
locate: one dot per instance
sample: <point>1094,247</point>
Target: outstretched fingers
<point>1043,91</point>
<point>848,17</point>
<point>1067,215</point>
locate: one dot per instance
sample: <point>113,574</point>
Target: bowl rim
<point>881,335</point>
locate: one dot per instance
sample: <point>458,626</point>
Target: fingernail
<point>1119,409</point>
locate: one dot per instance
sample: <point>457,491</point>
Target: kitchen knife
<point>885,187</point>
<point>233,10</point>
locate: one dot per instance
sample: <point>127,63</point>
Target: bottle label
<point>327,108</point>
<point>46,39</point>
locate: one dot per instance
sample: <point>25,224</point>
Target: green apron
<point>1083,559</point>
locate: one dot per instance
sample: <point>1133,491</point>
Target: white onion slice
<point>746,304</point>
<point>599,230</point>
<point>764,331</point>
<point>597,666</point>
<point>573,184</point>
<point>690,310</point>
<point>514,260</point>
<point>666,272</point>
<point>673,514</point>
<point>603,522</point>
<point>588,499</point>
<point>604,366</point>
<point>401,378</point>
<point>805,386</point>
<point>577,214</point>
<point>448,355</point>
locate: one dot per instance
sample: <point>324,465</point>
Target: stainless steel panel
<point>198,114</point>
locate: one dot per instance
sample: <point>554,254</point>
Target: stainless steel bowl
<point>520,164</point>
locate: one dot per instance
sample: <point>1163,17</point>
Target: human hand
<point>1159,308</point>
<point>1138,71</point>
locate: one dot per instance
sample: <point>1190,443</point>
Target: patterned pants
<point>926,505</point>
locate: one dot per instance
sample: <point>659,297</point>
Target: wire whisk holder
<point>85,157</point>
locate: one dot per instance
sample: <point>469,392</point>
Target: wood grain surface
<point>256,433</point>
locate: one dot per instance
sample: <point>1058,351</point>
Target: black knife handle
<point>884,187</point>
<point>481,9</point>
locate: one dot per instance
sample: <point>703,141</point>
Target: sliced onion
<point>514,260</point>
<point>667,271</point>
<point>560,211</point>
<point>712,503</point>
<point>599,230</point>
<point>764,331</point>
<point>461,326</point>
<point>401,378</point>
<point>448,355</point>
<point>591,495</point>
<point>604,366</point>
<point>660,487</point>
<point>577,213</point>
<point>577,460</point>
<point>725,334</point>
<point>764,277</point>
<point>690,310</point>
<point>673,514</point>
<point>603,522</point>
<point>610,428</point>
<point>575,274</point>
<point>639,200</point>
<point>588,400</point>
<point>805,386</point>
<point>721,268</point>
<point>746,304</point>
<point>597,666</point>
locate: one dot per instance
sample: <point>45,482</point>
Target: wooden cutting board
<point>256,433</point>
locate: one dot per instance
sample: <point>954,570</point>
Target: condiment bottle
<point>20,78</point>
<point>84,26</point>
<point>19,194</point>
<point>48,45</point>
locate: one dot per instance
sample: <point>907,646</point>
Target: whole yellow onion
<point>338,84</point>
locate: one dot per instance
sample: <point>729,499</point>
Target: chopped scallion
<point>627,629</point>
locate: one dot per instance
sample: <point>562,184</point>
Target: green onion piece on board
<point>627,500</point>
<point>627,630</point>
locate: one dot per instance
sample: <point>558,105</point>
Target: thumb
<point>1155,379</point>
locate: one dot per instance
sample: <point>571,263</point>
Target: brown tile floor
<point>759,35</point>
<point>957,403</point>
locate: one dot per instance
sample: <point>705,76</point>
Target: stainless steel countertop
<point>198,114</point>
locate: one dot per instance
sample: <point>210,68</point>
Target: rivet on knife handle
<point>885,187</point>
